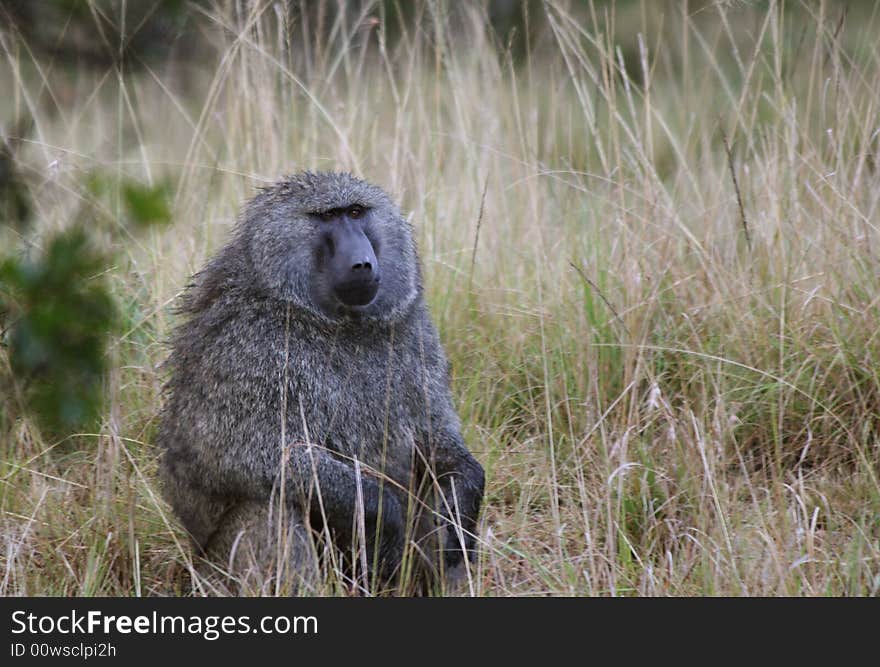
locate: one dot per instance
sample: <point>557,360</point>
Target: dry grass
<point>666,356</point>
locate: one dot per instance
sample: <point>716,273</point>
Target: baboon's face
<point>346,264</point>
<point>335,245</point>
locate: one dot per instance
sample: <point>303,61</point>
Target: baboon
<point>308,414</point>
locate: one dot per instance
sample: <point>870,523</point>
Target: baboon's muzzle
<point>353,265</point>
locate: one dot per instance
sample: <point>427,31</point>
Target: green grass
<point>662,407</point>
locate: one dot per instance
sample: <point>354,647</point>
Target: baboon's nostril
<point>362,266</point>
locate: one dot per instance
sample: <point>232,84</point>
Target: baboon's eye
<point>326,215</point>
<point>355,212</point>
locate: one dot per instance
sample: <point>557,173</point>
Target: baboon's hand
<point>464,505</point>
<point>385,530</point>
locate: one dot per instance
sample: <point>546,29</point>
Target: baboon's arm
<point>461,481</point>
<point>328,491</point>
<point>442,445</point>
<point>331,491</point>
<point>453,464</point>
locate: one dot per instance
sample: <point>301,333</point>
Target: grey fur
<point>357,398</point>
